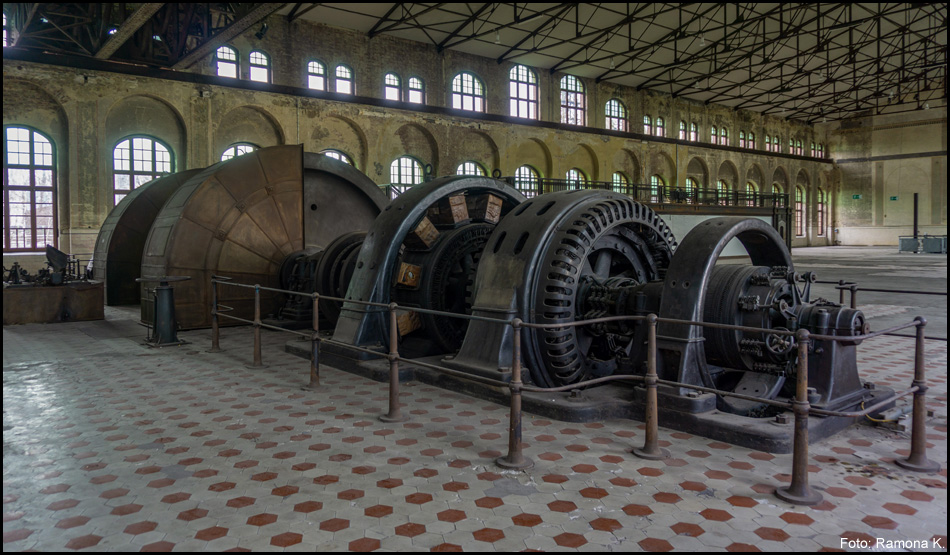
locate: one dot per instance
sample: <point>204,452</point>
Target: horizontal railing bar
<point>868,410</point>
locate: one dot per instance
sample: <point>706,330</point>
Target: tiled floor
<point>112,446</point>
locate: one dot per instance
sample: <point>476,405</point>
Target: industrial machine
<point>61,292</point>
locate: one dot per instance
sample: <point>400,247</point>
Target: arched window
<point>768,143</point>
<point>820,214</point>
<point>316,76</point>
<point>226,60</point>
<point>752,193</point>
<point>522,93</point>
<point>742,139</point>
<point>29,191</point>
<point>417,91</point>
<point>694,132</point>
<point>660,130</point>
<point>5,42</point>
<point>136,161</point>
<point>573,101</point>
<point>337,155</point>
<point>620,183</point>
<point>575,179</point>
<point>690,190</point>
<point>647,125</point>
<point>526,181</point>
<point>682,134</point>
<point>722,192</point>
<point>799,211</point>
<point>405,172</point>
<point>470,168</point>
<point>723,136</point>
<point>237,149</point>
<point>616,114</point>
<point>260,67</point>
<point>656,188</point>
<point>344,79</point>
<point>799,150</point>
<point>821,150</point>
<point>750,143</point>
<point>791,146</point>
<point>468,93</point>
<point>392,87</point>
<point>814,151</point>
<point>713,135</point>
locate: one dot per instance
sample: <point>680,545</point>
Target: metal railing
<point>798,492</point>
<point>853,288</point>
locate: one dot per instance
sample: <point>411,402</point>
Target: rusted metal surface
<point>917,460</point>
<point>118,256</point>
<point>244,217</point>
<point>74,301</point>
<point>515,458</point>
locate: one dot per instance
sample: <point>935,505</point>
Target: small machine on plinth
<point>163,320</point>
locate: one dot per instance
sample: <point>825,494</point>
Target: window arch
<point>647,125</point>
<point>694,132</point>
<point>682,130</point>
<point>660,130</point>
<point>573,101</point>
<point>259,67</point>
<point>713,135</point>
<point>136,161</point>
<point>620,183</point>
<point>616,115</point>
<point>575,179</point>
<point>238,149</point>
<point>392,87</point>
<point>417,91</point>
<point>799,150</point>
<point>799,211</point>
<point>522,92</point>
<point>751,193</point>
<point>468,93</point>
<point>526,181</point>
<point>723,136</point>
<point>226,62</point>
<point>768,143</point>
<point>722,192</point>
<point>656,188</point>
<point>405,172</point>
<point>689,189</point>
<point>344,79</point>
<point>316,75</point>
<point>338,155</point>
<point>29,190</point>
<point>820,213</point>
<point>741,139</point>
<point>750,142</point>
<point>470,168</point>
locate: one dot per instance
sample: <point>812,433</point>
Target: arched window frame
<point>522,92</point>
<point>723,136</point>
<point>338,155</point>
<point>573,101</point>
<point>417,91</point>
<point>131,170</point>
<point>657,184</point>
<point>750,143</point>
<point>470,167</point>
<point>682,135</point>
<point>29,180</point>
<point>820,208</point>
<point>405,172</point>
<point>799,149</point>
<point>575,178</point>
<point>238,149</point>
<point>799,211</point>
<point>527,180</point>
<point>226,62</point>
<point>615,115</point>
<point>694,132</point>
<point>392,87</point>
<point>752,193</point>
<point>660,126</point>
<point>316,75</point>
<point>768,143</point>
<point>714,135</point>
<point>343,82</point>
<point>258,67</point>
<point>722,192</point>
<point>690,187</point>
<point>619,183</point>
<point>468,93</point>
<point>5,35</point>
<point>742,139</point>
<point>647,125</point>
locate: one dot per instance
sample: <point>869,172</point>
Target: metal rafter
<point>239,25</point>
<point>128,28</point>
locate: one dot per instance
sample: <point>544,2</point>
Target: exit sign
<point>856,197</point>
<point>893,198</point>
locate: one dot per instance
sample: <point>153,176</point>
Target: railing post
<point>918,460</point>
<point>515,458</point>
<point>315,345</point>
<point>799,492</point>
<point>651,449</point>
<point>854,296</point>
<point>258,363</point>
<point>215,330</point>
<point>841,292</point>
<point>395,412</point>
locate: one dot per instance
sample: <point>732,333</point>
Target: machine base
<point>609,401</point>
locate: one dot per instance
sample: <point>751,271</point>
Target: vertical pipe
<point>799,492</point>
<point>841,292</point>
<point>917,460</point>
<point>215,331</point>
<point>854,296</point>
<point>315,344</point>
<point>651,444</point>
<point>916,221</point>
<point>257,327</point>
<point>515,457</point>
<point>395,412</point>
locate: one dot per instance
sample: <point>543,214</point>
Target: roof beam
<point>26,22</point>
<point>441,46</point>
<point>239,26</point>
<point>128,28</point>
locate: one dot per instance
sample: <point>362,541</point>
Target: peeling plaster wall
<point>199,121</point>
